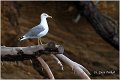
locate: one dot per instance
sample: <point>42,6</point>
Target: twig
<point>58,61</point>
<point>46,67</point>
<point>77,18</point>
<point>75,66</point>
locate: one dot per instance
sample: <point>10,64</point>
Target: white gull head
<point>44,15</point>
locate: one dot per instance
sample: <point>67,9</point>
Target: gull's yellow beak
<point>49,16</point>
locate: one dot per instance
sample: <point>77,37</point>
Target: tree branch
<point>106,27</point>
<point>34,52</point>
<point>79,69</point>
<point>58,61</point>
<point>46,67</point>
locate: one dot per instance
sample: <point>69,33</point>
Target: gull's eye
<point>45,14</point>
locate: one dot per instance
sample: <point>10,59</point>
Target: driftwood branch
<point>105,26</point>
<point>35,52</point>
<point>46,67</point>
<point>81,71</point>
<point>58,61</point>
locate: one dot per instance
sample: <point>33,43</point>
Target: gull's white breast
<point>45,25</point>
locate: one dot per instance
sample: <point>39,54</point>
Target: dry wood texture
<point>31,52</point>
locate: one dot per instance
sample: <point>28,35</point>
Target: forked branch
<point>32,52</point>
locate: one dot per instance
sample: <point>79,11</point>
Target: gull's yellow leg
<point>40,41</point>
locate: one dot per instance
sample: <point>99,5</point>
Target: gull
<point>38,31</point>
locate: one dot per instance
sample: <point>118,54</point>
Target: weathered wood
<point>46,67</point>
<point>34,53</point>
<point>104,26</point>
<point>26,53</point>
<point>79,69</point>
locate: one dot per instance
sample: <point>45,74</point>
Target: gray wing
<point>35,31</point>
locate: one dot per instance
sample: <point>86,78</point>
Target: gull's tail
<point>22,38</point>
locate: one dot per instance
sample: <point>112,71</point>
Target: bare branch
<point>58,61</point>
<point>27,53</point>
<point>16,50</point>
<point>33,52</point>
<point>75,66</point>
<point>46,67</point>
<point>105,26</point>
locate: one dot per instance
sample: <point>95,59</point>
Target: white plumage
<point>39,30</point>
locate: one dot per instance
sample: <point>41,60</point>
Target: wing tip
<point>21,38</point>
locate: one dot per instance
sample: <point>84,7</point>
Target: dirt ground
<point>82,44</point>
